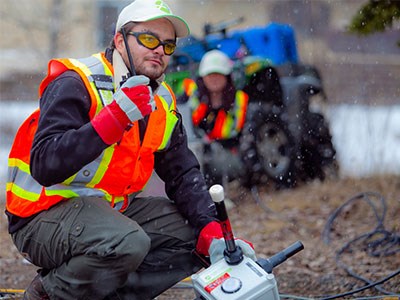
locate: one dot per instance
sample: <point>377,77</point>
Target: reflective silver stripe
<point>26,182</point>
<point>80,190</point>
<point>12,173</point>
<point>105,88</point>
<point>171,119</point>
<point>164,93</point>
<point>93,63</point>
<point>23,180</point>
<point>87,173</point>
<point>105,85</point>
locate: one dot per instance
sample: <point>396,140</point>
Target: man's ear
<point>119,41</point>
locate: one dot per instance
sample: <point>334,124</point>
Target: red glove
<point>132,102</point>
<point>211,231</point>
<point>211,243</point>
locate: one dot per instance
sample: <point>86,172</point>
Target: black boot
<point>35,290</point>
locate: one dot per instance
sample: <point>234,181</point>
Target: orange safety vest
<point>122,169</point>
<point>227,124</point>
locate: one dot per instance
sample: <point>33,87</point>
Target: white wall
<point>366,138</point>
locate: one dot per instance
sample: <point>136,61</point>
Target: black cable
<point>364,287</point>
<point>386,244</point>
<point>362,196</point>
<point>256,197</point>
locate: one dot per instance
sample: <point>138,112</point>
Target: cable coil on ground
<point>377,243</point>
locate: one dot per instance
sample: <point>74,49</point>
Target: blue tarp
<point>275,42</point>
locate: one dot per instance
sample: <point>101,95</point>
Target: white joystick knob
<point>217,193</point>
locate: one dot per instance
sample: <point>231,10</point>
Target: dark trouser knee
<point>99,272</point>
<point>132,250</point>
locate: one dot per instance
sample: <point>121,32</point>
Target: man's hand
<point>135,98</point>
<point>211,243</point>
<point>218,246</point>
<point>132,101</point>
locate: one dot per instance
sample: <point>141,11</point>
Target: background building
<point>354,69</point>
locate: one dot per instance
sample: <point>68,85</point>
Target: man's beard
<point>150,70</point>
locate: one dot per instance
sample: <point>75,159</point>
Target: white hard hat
<point>215,61</point>
<point>147,10</point>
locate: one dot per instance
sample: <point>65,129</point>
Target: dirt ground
<point>277,219</point>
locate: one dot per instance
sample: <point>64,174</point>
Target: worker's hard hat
<point>147,10</point>
<point>215,61</point>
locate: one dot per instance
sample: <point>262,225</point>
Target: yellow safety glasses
<point>150,41</point>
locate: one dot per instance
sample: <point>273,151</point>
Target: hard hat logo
<point>163,7</point>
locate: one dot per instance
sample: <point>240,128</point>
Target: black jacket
<point>65,141</point>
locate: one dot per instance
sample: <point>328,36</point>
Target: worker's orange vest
<point>122,169</point>
<point>226,125</point>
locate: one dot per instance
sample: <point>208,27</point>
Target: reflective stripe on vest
<point>103,177</point>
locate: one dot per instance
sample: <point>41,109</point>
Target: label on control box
<point>216,283</point>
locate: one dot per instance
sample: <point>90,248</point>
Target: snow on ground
<point>367,139</point>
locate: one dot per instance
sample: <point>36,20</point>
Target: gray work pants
<point>89,251</point>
